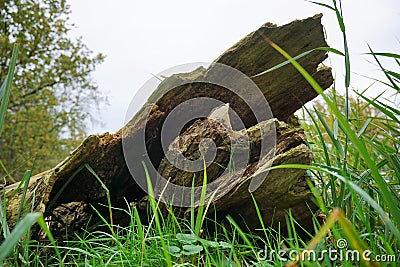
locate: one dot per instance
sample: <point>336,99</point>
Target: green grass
<point>19,235</point>
<point>356,172</point>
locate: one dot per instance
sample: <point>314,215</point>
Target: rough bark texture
<point>66,192</point>
<point>282,188</point>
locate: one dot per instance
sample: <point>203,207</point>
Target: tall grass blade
<point>358,142</point>
<point>331,134</point>
<point>87,166</point>
<point>155,210</point>
<point>391,55</point>
<point>3,218</point>
<point>385,109</point>
<point>16,234</point>
<point>6,87</point>
<point>394,85</point>
<point>322,4</point>
<point>199,218</point>
<point>393,227</point>
<point>25,180</point>
<point>328,49</point>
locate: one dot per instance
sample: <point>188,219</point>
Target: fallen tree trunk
<point>281,190</point>
<point>66,193</point>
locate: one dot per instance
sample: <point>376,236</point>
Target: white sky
<point>144,37</point>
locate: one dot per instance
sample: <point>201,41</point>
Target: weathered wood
<point>71,183</point>
<point>282,189</point>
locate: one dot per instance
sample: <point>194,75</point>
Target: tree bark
<point>66,193</point>
<point>280,190</point>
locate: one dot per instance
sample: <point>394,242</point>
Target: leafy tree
<point>53,92</point>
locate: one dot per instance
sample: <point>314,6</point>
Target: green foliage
<point>20,232</point>
<point>4,95</point>
<point>369,118</point>
<point>356,165</point>
<point>52,92</point>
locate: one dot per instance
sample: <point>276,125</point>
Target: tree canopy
<point>53,92</point>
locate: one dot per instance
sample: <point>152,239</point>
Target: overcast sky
<point>141,38</point>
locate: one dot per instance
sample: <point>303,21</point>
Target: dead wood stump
<point>66,193</point>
